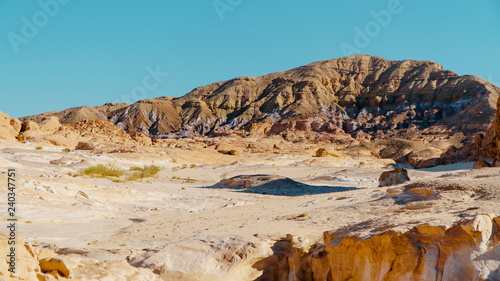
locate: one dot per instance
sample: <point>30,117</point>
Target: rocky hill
<point>355,95</point>
<point>81,113</point>
<point>401,105</point>
<point>358,96</point>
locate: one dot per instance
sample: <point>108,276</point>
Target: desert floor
<point>181,207</point>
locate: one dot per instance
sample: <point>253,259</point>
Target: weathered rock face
<point>494,134</point>
<point>483,146</point>
<point>33,130</point>
<point>204,259</point>
<point>33,263</point>
<point>9,127</point>
<point>481,164</point>
<point>358,97</point>
<point>465,251</point>
<point>153,117</point>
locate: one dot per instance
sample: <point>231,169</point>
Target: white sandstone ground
<point>177,227</point>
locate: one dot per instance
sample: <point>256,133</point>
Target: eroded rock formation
<point>71,135</point>
<point>465,251</point>
<point>494,135</point>
<point>9,127</point>
<point>483,147</point>
<point>34,263</point>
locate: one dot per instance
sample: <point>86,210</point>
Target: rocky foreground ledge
<point>468,250</point>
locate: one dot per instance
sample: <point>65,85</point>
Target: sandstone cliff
<point>465,251</point>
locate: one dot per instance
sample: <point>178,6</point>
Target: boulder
<point>61,161</point>
<point>16,124</point>
<point>30,126</point>
<point>33,263</point>
<point>232,152</point>
<point>85,145</point>
<point>322,152</point>
<point>8,127</point>
<point>481,164</point>
<point>50,124</point>
<point>54,266</point>
<point>464,251</point>
<point>394,177</point>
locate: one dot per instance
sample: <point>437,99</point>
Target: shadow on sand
<point>275,185</point>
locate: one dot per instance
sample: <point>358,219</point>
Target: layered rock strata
<point>356,97</point>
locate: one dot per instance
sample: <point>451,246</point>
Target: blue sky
<point>56,54</point>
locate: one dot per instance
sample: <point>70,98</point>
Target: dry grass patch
<point>145,172</point>
<point>102,171</point>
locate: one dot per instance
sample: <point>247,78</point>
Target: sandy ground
<point>180,204</point>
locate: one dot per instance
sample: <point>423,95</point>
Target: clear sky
<point>56,54</point>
